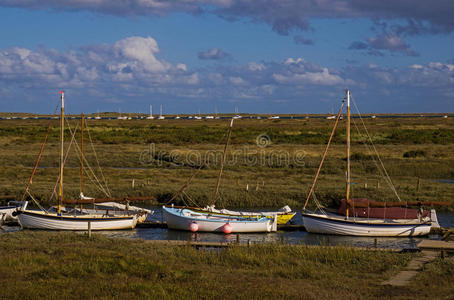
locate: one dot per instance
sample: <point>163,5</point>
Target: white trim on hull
<point>51,221</point>
<point>326,224</point>
<point>182,219</point>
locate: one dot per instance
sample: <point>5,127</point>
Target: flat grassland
<point>270,163</point>
<point>50,265</point>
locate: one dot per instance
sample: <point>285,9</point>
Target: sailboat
<point>161,117</point>
<point>283,216</point>
<point>362,217</point>
<point>61,220</point>
<point>150,117</point>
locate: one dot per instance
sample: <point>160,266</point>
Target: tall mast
<point>348,174</point>
<point>151,111</point>
<point>222,163</point>
<point>82,156</point>
<point>62,124</point>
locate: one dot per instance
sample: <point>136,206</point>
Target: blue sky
<point>262,56</point>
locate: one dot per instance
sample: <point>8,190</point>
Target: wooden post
<point>132,184</point>
<point>378,183</point>
<point>237,238</point>
<point>418,184</point>
<point>365,185</point>
<point>247,187</point>
<point>89,229</point>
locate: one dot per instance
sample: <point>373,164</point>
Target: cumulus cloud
<point>132,68</point>
<point>385,41</point>
<point>131,60</point>
<point>213,54</point>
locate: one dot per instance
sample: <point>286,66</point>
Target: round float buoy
<point>194,227</point>
<point>227,228</point>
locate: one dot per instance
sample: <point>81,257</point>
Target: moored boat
<point>189,220</point>
<point>362,217</point>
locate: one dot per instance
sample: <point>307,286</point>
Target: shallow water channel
<point>288,237</point>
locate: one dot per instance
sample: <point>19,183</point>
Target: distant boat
<point>161,117</point>
<point>150,117</point>
<point>177,117</point>
<point>209,117</point>
<point>331,117</point>
<point>445,116</point>
<point>237,117</point>
<point>362,217</point>
<point>274,117</point>
<point>373,117</point>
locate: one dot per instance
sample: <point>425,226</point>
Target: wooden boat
<point>359,217</point>
<point>282,216</point>
<point>61,220</point>
<point>38,219</point>
<point>189,220</point>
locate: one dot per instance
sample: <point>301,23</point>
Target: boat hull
<point>182,219</point>
<point>282,218</point>
<point>325,224</point>
<point>51,221</point>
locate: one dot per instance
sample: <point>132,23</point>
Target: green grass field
<point>270,163</point>
<point>49,265</point>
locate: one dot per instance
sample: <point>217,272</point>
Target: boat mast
<point>62,124</point>
<point>82,156</point>
<point>222,163</point>
<point>348,174</point>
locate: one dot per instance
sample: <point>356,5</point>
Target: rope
<point>97,160</point>
<point>39,156</point>
<point>387,177</point>
<point>97,183</point>
<point>64,161</point>
<point>324,155</point>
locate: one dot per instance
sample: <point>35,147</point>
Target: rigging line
<point>181,190</point>
<point>64,161</point>
<point>37,203</point>
<point>39,156</point>
<point>376,152</point>
<point>373,158</point>
<point>97,160</point>
<point>99,185</point>
<point>324,154</point>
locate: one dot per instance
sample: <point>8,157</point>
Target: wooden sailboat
<point>359,217</point>
<point>60,220</point>
<point>274,217</point>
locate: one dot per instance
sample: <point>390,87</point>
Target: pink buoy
<point>227,228</point>
<point>194,227</point>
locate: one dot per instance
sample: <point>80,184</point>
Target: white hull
<point>51,221</point>
<point>182,219</point>
<point>333,224</point>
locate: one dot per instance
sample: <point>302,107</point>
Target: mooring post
<point>375,243</point>
<point>237,238</point>
<point>418,184</point>
<point>89,229</point>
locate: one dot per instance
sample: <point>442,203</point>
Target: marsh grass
<point>272,179</point>
<point>69,265</point>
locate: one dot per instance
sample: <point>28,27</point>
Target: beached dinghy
<point>189,220</point>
